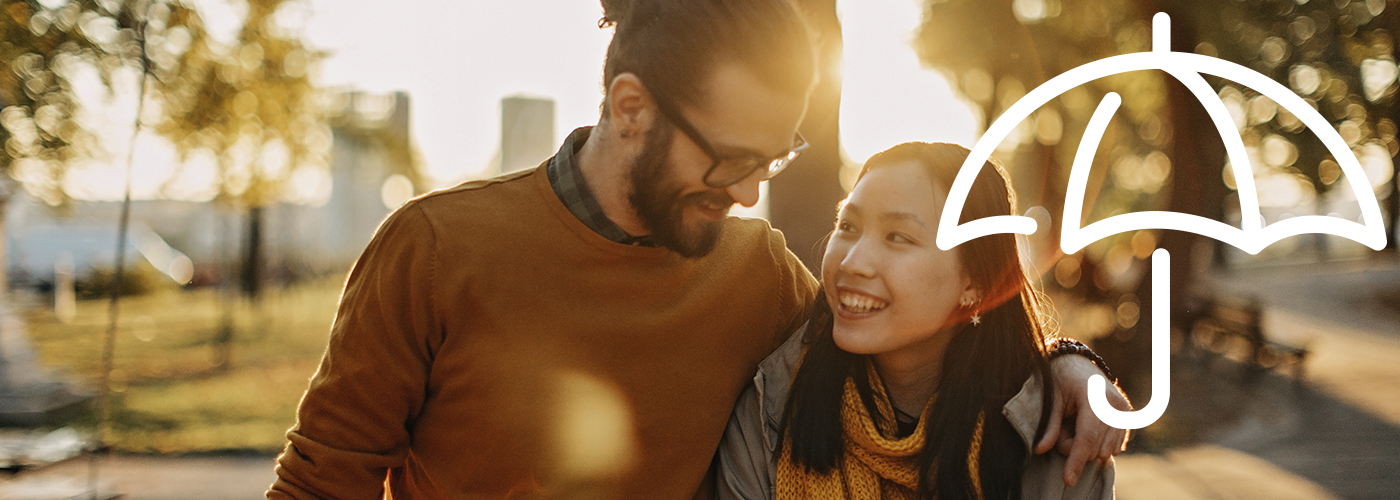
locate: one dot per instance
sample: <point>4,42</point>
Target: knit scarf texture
<point>877,464</point>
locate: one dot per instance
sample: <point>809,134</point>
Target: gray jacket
<point>747,470</point>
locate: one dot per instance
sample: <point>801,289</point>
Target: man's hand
<point>1086,437</point>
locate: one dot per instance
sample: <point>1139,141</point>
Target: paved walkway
<point>1335,434</point>
<point>149,478</point>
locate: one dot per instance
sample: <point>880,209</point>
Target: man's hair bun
<point>673,45</point>
<point>615,11</point>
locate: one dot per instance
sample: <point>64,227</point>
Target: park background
<point>258,143</point>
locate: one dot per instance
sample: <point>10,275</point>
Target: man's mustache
<point>716,198</point>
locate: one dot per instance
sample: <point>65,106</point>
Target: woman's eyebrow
<point>904,216</point>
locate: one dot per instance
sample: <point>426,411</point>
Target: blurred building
<point>527,132</point>
<point>371,170</point>
<point>84,234</point>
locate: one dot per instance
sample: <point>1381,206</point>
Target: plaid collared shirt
<point>568,184</point>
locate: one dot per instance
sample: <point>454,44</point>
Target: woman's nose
<point>859,260</point>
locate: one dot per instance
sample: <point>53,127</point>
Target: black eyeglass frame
<point>749,164</point>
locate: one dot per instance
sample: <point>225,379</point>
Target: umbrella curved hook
<point>1161,358</point>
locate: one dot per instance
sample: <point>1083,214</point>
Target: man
<point>583,329</point>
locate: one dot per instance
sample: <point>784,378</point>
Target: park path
<point>243,477</point>
<point>1333,434</point>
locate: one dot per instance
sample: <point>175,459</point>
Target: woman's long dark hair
<point>984,366</point>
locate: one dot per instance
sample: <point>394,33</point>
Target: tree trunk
<point>1197,158</point>
<point>4,251</point>
<point>1393,204</point>
<point>802,201</point>
<point>252,254</point>
<point>228,290</point>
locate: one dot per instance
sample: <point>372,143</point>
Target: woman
<point>919,375</point>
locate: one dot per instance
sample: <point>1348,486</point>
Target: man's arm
<point>352,424</point>
<point>1089,438</point>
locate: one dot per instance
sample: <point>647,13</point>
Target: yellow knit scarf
<point>874,466</point>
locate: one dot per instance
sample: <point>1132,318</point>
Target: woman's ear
<point>969,297</point>
<point>630,108</point>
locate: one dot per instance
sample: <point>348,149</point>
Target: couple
<point>585,329</point>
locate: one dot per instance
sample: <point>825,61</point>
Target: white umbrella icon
<point>1252,237</point>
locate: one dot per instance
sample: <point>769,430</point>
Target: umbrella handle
<point>1161,358</point>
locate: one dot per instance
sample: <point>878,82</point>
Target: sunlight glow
<point>887,95</point>
<point>458,59</point>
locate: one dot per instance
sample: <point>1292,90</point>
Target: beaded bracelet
<point>1063,346</point>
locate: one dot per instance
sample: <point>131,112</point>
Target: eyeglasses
<point>727,170</point>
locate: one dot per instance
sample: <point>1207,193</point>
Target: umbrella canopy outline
<point>1252,237</point>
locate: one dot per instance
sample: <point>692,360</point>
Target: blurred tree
<point>247,102</point>
<point>1339,55</point>
<point>45,47</point>
<point>251,105</point>
<point>802,201</point>
<point>994,52</point>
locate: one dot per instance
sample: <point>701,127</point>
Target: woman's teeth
<point>861,303</point>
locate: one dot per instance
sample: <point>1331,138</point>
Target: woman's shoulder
<point>775,372</point>
<point>773,380</point>
<point>746,468</point>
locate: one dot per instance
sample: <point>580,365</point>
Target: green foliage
<point>235,100</point>
<point>995,51</point>
<point>251,104</point>
<point>1320,50</point>
<point>44,50</point>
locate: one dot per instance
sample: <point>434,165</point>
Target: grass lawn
<point>171,394</point>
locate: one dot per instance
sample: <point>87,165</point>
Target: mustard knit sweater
<point>490,345</point>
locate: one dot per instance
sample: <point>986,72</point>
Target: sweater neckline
<point>562,213</point>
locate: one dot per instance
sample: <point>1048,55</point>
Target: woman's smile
<point>855,304</point>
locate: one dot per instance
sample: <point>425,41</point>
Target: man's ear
<point>630,107</point>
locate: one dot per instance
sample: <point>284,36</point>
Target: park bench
<point>1233,324</point>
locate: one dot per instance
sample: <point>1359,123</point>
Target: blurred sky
<point>457,59</point>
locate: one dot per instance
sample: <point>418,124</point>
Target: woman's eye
<point>898,238</point>
<point>845,226</point>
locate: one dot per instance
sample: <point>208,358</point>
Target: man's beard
<point>660,204</point>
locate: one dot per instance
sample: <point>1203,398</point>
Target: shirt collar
<point>567,181</point>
